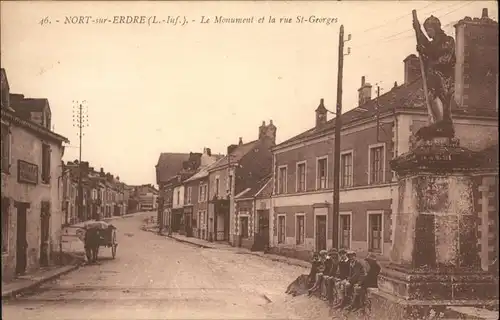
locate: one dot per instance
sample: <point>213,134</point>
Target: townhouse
<point>196,197</point>
<point>169,164</point>
<point>31,187</point>
<point>148,197</point>
<point>371,135</point>
<point>252,205</point>
<point>243,167</point>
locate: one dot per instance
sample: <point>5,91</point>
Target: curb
<point>13,293</point>
<point>191,243</point>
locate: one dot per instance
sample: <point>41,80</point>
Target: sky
<point>163,88</point>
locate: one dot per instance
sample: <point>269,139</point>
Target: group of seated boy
<point>342,278</point>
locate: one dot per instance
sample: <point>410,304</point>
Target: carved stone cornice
<point>436,156</point>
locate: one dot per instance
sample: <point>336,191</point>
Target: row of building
<point>280,195</point>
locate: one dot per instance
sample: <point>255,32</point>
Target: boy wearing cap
<point>355,278</point>
<point>372,269</point>
<point>331,273</point>
<point>320,271</point>
<point>342,274</point>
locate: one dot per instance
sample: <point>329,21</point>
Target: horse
<point>92,242</point>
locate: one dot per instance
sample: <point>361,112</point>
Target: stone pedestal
<point>434,260</point>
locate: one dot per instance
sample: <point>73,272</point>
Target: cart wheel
<point>113,245</point>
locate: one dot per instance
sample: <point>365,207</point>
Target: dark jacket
<point>314,268</point>
<point>343,270</point>
<point>357,272</point>
<point>328,266</point>
<point>333,268</point>
<point>371,277</point>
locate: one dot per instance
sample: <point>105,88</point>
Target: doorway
<point>21,241</point>
<point>320,232</point>
<point>44,234</point>
<point>263,228</point>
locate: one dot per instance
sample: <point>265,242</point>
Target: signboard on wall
<point>27,172</point>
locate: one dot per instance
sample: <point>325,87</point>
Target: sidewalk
<point>32,281</point>
<point>223,246</point>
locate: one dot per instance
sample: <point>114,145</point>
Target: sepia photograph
<point>251,160</point>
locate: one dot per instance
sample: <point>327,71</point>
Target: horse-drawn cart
<point>97,234</point>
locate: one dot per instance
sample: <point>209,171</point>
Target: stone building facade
<point>31,191</point>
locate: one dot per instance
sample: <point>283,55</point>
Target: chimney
<point>102,170</point>
<point>262,130</point>
<point>240,142</point>
<point>476,68</point>
<point>395,84</point>
<point>231,148</point>
<point>208,152</point>
<point>321,113</point>
<point>412,68</point>
<point>268,132</point>
<point>364,92</point>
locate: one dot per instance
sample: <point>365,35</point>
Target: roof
<point>169,164</point>
<point>203,172</point>
<point>236,155</point>
<point>404,97</point>
<point>34,127</point>
<point>255,190</point>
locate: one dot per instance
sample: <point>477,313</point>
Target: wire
<point>397,19</point>
<point>409,30</point>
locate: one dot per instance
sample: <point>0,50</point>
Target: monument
<point>434,259</point>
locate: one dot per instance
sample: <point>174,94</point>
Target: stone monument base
<point>387,306</point>
<point>411,294</point>
<point>435,262</point>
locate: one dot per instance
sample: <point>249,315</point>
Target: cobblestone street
<point>154,277</point>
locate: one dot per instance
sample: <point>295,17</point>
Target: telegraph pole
<point>338,125</point>
<point>80,120</point>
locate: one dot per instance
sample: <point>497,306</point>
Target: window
<point>244,227</point>
<point>346,170</point>
<point>376,164</point>
<point>281,229</point>
<point>300,229</point>
<point>375,232</point>
<point>205,192</point>
<point>217,186</point>
<point>230,184</point>
<point>345,231</point>
<point>188,197</point>
<point>178,197</point>
<point>322,168</point>
<point>5,225</point>
<point>282,177</point>
<point>6,145</point>
<point>200,193</point>
<point>301,177</point>
<point>45,163</point>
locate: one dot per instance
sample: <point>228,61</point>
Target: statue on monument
<point>437,63</point>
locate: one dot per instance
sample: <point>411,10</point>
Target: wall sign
<point>27,172</point>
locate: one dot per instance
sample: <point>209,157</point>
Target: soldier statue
<point>437,61</point>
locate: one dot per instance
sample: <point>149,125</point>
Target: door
<point>44,235</point>
<point>189,224</point>
<point>21,241</point>
<point>375,232</point>
<point>320,233</point>
<point>345,231</point>
<point>264,226</point>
